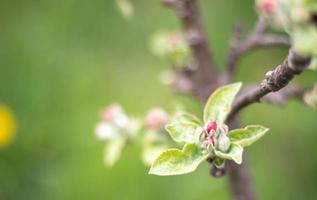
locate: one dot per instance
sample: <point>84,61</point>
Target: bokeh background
<point>61,61</point>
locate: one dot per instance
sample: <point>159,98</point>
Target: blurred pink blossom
<point>156,119</point>
<point>111,112</point>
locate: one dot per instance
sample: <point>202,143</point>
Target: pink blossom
<point>111,112</point>
<point>267,5</point>
<point>156,119</point>
<point>212,126</point>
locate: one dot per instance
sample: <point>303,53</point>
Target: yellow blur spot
<point>7,126</point>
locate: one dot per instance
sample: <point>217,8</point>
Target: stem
<point>275,80</point>
<point>239,176</point>
<point>205,77</point>
<point>257,39</point>
<point>240,182</point>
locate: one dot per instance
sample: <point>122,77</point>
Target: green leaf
<point>219,103</point>
<point>248,135</point>
<point>113,150</point>
<point>235,153</point>
<point>186,117</point>
<point>154,143</point>
<point>151,152</point>
<point>176,162</point>
<point>184,128</point>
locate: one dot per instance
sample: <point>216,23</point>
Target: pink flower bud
<point>212,141</point>
<point>267,5</point>
<point>111,112</point>
<point>156,119</point>
<point>212,126</point>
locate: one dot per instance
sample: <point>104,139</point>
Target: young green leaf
<point>248,135</point>
<point>151,152</point>
<point>235,153</point>
<point>113,150</point>
<point>219,103</point>
<point>176,162</point>
<point>186,117</point>
<point>184,127</point>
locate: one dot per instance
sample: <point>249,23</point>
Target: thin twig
<point>287,93</point>
<point>275,80</point>
<point>257,39</point>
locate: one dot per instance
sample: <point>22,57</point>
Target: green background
<point>61,61</point>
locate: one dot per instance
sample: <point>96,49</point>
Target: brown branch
<point>275,80</point>
<point>280,97</point>
<point>240,181</point>
<point>287,93</point>
<point>257,39</point>
<point>239,175</point>
<point>205,77</point>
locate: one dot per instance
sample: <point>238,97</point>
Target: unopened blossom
<point>214,135</point>
<point>114,114</point>
<point>212,126</point>
<point>267,5</point>
<point>156,119</point>
<point>111,112</point>
<point>223,143</point>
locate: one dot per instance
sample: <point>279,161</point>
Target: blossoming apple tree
<point>176,143</point>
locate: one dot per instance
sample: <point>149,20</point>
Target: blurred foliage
<point>61,61</point>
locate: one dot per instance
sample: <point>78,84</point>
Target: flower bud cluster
<point>214,136</point>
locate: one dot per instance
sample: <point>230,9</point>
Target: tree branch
<point>289,92</point>
<point>257,39</point>
<point>275,80</point>
<point>205,77</point>
<point>239,180</point>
